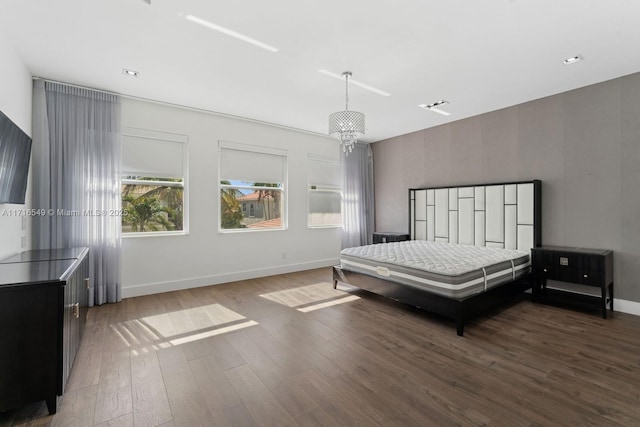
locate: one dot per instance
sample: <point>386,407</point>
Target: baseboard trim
<point>197,282</point>
<point>624,306</point>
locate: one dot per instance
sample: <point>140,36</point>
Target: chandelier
<point>346,125</point>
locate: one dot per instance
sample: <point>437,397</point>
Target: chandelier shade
<point>347,125</point>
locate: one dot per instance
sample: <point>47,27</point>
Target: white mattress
<point>448,269</point>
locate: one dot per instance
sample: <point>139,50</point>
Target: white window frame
<point>169,137</point>
<point>227,145</point>
<point>311,187</point>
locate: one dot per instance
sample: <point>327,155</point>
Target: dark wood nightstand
<point>581,269</point>
<point>387,237</point>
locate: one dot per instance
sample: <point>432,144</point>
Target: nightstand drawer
<point>566,260</point>
<point>544,271</point>
<point>572,275</point>
<point>566,274</point>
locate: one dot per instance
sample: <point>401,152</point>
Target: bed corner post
<point>336,276</point>
<point>460,319</point>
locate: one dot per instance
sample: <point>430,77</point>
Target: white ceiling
<point>478,55</point>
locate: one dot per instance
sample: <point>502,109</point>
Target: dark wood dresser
<point>43,309</point>
<point>585,269</point>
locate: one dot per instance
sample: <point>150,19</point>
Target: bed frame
<point>506,215</point>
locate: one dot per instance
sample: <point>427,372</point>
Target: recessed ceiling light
<point>355,82</point>
<point>230,33</point>
<point>130,72</point>
<point>434,107</point>
<point>572,60</point>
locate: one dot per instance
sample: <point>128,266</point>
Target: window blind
<point>152,155</point>
<point>240,162</point>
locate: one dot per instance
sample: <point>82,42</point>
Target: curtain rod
<point>76,86</point>
<point>184,107</point>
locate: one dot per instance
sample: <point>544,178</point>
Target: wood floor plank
<point>317,417</point>
<point>188,407</point>
<point>345,407</point>
<point>219,347</point>
<point>294,332</point>
<point>260,402</point>
<point>277,380</point>
<point>77,408</point>
<point>86,367</point>
<point>122,421</point>
<point>114,396</point>
<point>444,386</point>
<point>225,406</point>
<point>150,401</point>
<point>288,357</point>
<point>372,372</point>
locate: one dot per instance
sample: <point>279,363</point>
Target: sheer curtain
<point>357,205</point>
<point>76,168</point>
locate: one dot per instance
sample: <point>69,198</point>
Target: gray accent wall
<point>584,145</point>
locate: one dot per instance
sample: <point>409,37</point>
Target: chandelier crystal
<point>346,125</point>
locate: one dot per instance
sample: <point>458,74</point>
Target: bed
<point>469,250</point>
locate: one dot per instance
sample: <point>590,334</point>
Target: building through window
<point>252,187</point>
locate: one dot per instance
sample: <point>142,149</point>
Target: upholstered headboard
<point>505,215</point>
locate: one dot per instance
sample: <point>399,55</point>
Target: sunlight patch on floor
<point>192,319</point>
<point>213,332</point>
<point>311,297</point>
<point>328,303</point>
<point>179,327</point>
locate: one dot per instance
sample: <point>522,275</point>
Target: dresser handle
<point>545,270</point>
<point>86,282</point>
<point>585,276</point>
<point>76,310</point>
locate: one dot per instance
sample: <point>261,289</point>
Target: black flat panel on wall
<point>15,153</point>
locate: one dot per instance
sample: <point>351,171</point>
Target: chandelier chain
<point>346,91</point>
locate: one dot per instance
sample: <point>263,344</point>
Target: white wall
<point>205,256</point>
<point>15,102</point>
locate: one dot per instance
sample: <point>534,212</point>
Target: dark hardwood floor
<point>289,350</point>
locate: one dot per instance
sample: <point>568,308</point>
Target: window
<point>152,204</point>
<point>153,182</point>
<point>252,193</point>
<point>325,196</point>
